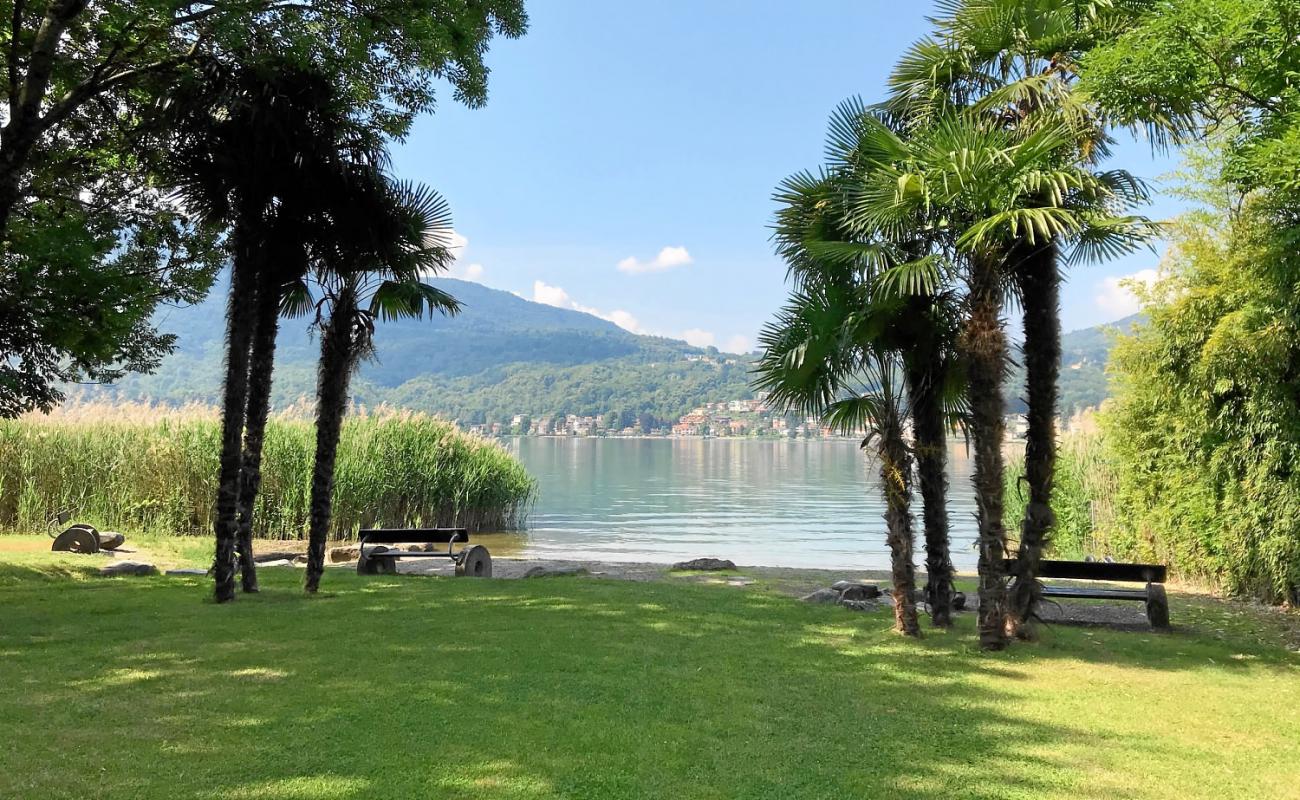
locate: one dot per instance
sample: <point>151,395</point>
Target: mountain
<point>1083,367</point>
<point>502,355</point>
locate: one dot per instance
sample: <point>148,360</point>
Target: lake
<point>755,501</point>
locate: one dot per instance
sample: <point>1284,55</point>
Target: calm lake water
<point>759,502</point>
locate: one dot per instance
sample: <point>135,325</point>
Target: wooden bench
<point>1153,575</point>
<point>474,561</point>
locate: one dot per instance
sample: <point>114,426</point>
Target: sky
<point>625,160</point>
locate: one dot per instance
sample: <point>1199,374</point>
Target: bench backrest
<point>414,535</point>
<point>1098,571</point>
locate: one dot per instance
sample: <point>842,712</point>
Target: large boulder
<point>822,596</point>
<point>857,591</point>
<point>118,568</point>
<point>347,553</point>
<point>705,564</point>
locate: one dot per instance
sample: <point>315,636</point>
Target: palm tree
<point>253,143</point>
<point>331,148</point>
<point>234,149</point>
<point>393,235</point>
<point>1012,64</point>
<point>825,355</point>
<point>813,235</point>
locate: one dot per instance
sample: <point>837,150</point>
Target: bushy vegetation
<point>143,467</point>
<point>1205,429</point>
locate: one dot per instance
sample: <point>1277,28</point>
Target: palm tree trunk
<point>925,383</point>
<point>896,480</point>
<point>986,348</point>
<point>239,317</point>
<point>1039,281</point>
<point>262,365</point>
<point>336,362</point>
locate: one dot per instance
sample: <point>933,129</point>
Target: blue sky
<point>625,161</point>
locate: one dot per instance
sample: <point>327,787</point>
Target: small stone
<point>300,560</point>
<point>128,568</point>
<point>278,555</point>
<point>859,591</point>
<point>739,582</point>
<point>186,572</point>
<point>349,553</point>
<point>705,564</point>
<point>420,548</point>
<point>822,596</point>
<point>553,572</point>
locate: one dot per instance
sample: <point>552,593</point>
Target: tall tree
<point>815,235</point>
<point>245,146</point>
<point>1013,65</point>
<point>827,354</point>
<point>391,236</point>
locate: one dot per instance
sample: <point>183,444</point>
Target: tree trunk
<point>925,385</point>
<point>1039,282</point>
<point>23,129</point>
<point>261,367</point>
<point>896,481</point>
<point>336,362</point>
<point>985,344</point>
<point>240,313</point>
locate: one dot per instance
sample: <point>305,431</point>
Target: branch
<point>15,27</point>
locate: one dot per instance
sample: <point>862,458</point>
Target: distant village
<point>728,418</point>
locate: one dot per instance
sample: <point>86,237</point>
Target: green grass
<point>396,687</point>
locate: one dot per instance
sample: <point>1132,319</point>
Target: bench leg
<point>1157,606</point>
<point>474,562</point>
<point>376,565</point>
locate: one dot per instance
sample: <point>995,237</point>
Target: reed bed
<point>143,467</point>
<point>1083,494</point>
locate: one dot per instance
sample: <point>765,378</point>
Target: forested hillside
<point>502,355</point>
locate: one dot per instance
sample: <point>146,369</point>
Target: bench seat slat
<point>414,535</point>
<point>1094,593</point>
<point>1098,571</point>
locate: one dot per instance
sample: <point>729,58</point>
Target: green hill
<point>503,355</point>
<point>1083,367</point>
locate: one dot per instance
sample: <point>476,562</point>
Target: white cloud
<point>543,292</point>
<point>737,344</point>
<point>698,338</point>
<point>460,267</point>
<point>551,295</point>
<point>1116,298</point>
<point>668,258</point>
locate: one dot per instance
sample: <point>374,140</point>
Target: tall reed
<point>150,468</point>
<point>1083,495</point>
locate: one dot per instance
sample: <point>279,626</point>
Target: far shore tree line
<point>967,192</point>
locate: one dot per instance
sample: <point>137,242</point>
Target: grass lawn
<point>397,687</point>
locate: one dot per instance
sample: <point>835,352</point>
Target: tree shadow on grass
<point>571,688</point>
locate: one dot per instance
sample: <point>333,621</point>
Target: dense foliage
<point>1206,424</point>
<point>1206,427</point>
<point>144,468</point>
